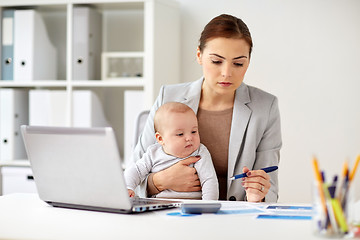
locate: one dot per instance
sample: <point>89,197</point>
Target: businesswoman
<point>239,124</point>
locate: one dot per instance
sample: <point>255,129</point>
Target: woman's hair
<point>225,26</point>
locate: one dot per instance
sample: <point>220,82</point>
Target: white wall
<point>306,52</point>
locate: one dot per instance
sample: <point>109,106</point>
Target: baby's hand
<point>131,193</point>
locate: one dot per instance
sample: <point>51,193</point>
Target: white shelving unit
<point>149,29</point>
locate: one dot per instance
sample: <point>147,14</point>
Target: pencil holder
<point>332,211</point>
<point>335,213</point>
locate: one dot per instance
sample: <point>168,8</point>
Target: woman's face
<point>224,61</point>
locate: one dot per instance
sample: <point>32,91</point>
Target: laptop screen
<point>80,166</point>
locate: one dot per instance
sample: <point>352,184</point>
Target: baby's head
<point>176,129</point>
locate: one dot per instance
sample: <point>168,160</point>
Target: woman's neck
<point>212,101</point>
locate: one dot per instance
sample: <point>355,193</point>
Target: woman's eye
<point>216,61</point>
<point>239,64</point>
<point>194,132</point>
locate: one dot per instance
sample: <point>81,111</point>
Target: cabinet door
<point>17,180</point>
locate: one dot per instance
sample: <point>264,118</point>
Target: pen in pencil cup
<point>320,207</point>
<point>353,171</point>
<point>350,196</point>
<point>340,188</point>
<point>267,170</point>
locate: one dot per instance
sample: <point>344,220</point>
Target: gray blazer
<point>255,137</point>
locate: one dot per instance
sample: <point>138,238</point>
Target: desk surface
<point>25,216</point>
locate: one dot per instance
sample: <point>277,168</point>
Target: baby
<point>176,132</point>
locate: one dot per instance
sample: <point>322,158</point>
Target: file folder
<point>86,44</point>
<point>7,50</point>
<point>34,54</point>
<point>134,102</point>
<point>48,108</point>
<point>14,112</point>
<point>87,110</point>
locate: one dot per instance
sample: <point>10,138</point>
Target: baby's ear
<point>159,138</point>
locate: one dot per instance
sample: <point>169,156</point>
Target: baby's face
<point>180,134</point>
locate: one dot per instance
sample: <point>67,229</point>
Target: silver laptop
<point>81,168</point>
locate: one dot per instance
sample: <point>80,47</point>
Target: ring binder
<point>86,44</point>
<point>13,113</point>
<point>7,45</point>
<point>34,54</point>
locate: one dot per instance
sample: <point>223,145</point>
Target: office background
<point>307,53</point>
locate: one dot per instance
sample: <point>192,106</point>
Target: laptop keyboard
<point>144,204</point>
<point>145,201</point>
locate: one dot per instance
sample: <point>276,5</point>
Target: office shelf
<point>145,29</point>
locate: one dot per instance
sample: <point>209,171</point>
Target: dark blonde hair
<point>167,108</point>
<point>226,26</point>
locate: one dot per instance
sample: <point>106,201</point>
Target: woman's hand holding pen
<point>179,177</point>
<point>256,184</point>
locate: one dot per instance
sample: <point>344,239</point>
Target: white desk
<point>25,216</point>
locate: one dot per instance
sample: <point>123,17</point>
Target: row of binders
<point>28,53</point>
<point>43,108</point>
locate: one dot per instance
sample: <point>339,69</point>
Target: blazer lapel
<point>192,97</point>
<point>239,123</point>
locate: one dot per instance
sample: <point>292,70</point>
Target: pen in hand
<point>267,170</point>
